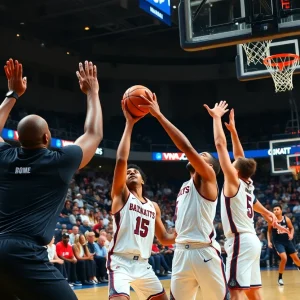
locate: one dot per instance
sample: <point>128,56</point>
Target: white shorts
<point>125,271</point>
<point>196,266</point>
<point>243,261</point>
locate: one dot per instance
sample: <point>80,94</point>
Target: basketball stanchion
<point>282,67</point>
<point>256,51</point>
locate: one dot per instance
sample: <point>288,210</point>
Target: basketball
<point>132,99</point>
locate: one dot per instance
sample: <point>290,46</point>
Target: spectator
<point>100,258</point>
<point>97,227</point>
<point>85,227</point>
<point>85,267</point>
<point>54,259</point>
<point>66,211</point>
<point>64,251</point>
<point>73,215</point>
<point>75,231</point>
<point>79,200</point>
<point>82,214</point>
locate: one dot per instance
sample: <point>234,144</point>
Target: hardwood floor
<point>271,291</point>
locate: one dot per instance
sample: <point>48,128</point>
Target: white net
<point>282,67</point>
<point>256,51</point>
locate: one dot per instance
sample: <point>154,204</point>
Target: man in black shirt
<point>33,186</point>
<point>282,242</point>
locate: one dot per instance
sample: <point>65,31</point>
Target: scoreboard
<point>160,9</point>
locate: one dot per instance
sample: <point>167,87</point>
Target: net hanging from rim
<point>282,67</point>
<point>256,51</point>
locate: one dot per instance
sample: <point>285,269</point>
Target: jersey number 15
<point>141,227</point>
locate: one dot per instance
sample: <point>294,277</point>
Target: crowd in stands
<point>85,229</point>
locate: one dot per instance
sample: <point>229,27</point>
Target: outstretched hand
<point>87,77</point>
<point>271,218</point>
<point>152,104</point>
<point>129,118</point>
<point>14,72</point>
<point>231,125</point>
<point>219,110</point>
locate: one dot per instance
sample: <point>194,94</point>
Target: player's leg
<point>209,262</point>
<point>291,251</point>
<point>119,278</point>
<point>146,284</point>
<point>27,273</point>
<point>239,263</point>
<point>255,291</point>
<point>183,282</point>
<point>283,259</point>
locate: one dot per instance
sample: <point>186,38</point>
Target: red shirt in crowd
<point>155,248</point>
<point>64,251</point>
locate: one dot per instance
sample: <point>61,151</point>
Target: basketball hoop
<point>282,67</point>
<point>256,51</point>
<point>296,171</point>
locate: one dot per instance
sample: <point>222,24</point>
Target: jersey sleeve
<point>69,162</point>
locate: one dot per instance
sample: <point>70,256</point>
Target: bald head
<point>34,132</point>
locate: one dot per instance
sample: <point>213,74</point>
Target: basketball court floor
<point>271,291</point>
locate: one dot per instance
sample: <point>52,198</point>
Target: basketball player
<point>196,251</point>
<point>282,242</point>
<point>238,204</point>
<point>136,219</point>
<point>34,184</point>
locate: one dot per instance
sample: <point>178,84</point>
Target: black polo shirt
<point>33,187</point>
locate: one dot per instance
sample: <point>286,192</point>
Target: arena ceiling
<point>118,30</point>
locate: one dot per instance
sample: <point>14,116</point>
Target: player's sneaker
<point>280,282</point>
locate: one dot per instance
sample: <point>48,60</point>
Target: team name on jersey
<point>145,212</point>
<point>184,190</point>
<point>23,170</point>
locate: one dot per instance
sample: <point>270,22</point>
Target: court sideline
<point>271,290</point>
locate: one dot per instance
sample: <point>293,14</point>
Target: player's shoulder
<point>4,146</point>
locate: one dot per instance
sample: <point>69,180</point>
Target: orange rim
<point>267,60</point>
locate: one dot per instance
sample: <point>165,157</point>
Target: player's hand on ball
<point>152,104</point>
<point>87,77</point>
<point>219,110</point>
<point>14,72</point>
<point>231,125</point>
<point>129,118</point>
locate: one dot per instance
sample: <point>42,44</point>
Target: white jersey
<point>194,216</point>
<point>237,211</point>
<point>134,227</point>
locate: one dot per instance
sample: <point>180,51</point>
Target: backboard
<point>206,24</point>
<point>253,71</point>
<point>283,155</point>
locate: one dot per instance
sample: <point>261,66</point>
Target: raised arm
<point>161,233</point>
<point>180,140</point>
<point>238,150</point>
<point>17,84</point>
<point>93,126</point>
<point>231,182</point>
<point>119,191</point>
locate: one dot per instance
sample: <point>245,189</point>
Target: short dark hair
<point>133,166</point>
<point>214,162</point>
<point>276,205</point>
<point>246,167</point>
